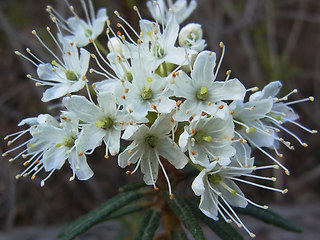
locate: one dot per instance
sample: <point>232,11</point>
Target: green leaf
<point>124,211</point>
<point>223,229</point>
<point>148,225</point>
<point>268,216</point>
<point>178,234</point>
<point>95,216</point>
<point>132,186</point>
<point>184,213</point>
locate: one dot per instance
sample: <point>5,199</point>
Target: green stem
<point>101,47</point>
<point>197,166</point>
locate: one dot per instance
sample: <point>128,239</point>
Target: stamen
<point>259,185</point>
<point>220,61</point>
<point>300,101</point>
<point>272,158</point>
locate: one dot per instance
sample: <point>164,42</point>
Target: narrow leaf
<point>148,225</point>
<point>95,216</point>
<point>223,229</point>
<point>268,216</point>
<point>124,211</point>
<point>184,213</point>
<point>178,234</point>
<point>132,186</point>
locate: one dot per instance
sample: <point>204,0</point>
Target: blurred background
<point>265,40</point>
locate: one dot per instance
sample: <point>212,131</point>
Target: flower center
<point>214,178</point>
<point>88,32</point>
<point>159,52</point>
<point>104,123</point>
<point>70,75</point>
<point>151,141</point>
<point>200,136</point>
<point>202,94</point>
<point>146,93</point>
<point>68,142</point>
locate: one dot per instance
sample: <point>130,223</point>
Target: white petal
<point>54,158</point>
<point>90,138</point>
<point>149,167</point>
<point>172,153</point>
<point>82,108</point>
<point>80,166</point>
<point>203,67</point>
<point>198,186</point>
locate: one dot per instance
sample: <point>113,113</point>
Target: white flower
<point>102,122</point>
<point>146,92</point>
<point>208,140</point>
<point>202,92</point>
<point>261,118</point>
<point>82,32</point>
<point>156,46</point>
<point>161,12</point>
<point>147,147</point>
<point>52,143</point>
<point>219,192</point>
<point>190,37</point>
<point>64,76</point>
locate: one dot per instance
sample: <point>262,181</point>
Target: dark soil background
<point>265,40</point>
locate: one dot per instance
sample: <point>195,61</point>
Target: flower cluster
<point>166,99</point>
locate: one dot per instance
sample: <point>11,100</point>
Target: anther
<point>221,106</point>
<point>228,72</point>
<point>4,154</point>
<point>18,176</point>
<point>276,166</point>
<point>171,196</point>
<point>190,118</point>
<point>33,177</point>
<point>311,98</point>
<point>128,172</point>
<point>172,120</point>
<point>284,191</point>
<point>106,156</point>
<point>117,13</point>
<point>90,40</point>
<point>9,143</point>
<point>121,122</point>
<point>80,154</point>
<point>254,89</point>
<point>71,178</point>
<point>288,173</point>
<point>221,44</point>
<point>156,188</point>
<point>252,235</point>
<point>42,183</point>
<point>178,103</point>
<point>193,152</point>
<point>154,106</point>
<point>123,97</point>
<point>231,112</point>
<point>94,85</point>
<point>304,144</point>
<point>68,94</point>
<point>126,90</point>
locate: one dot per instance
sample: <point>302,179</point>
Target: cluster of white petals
<point>166,100</point>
